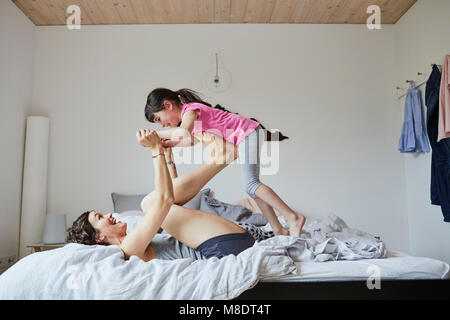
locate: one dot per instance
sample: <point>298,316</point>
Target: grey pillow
<point>231,212</point>
<point>194,203</point>
<point>129,213</point>
<point>126,202</point>
<point>132,202</point>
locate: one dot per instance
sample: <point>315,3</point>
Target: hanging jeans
<point>413,137</point>
<point>440,156</point>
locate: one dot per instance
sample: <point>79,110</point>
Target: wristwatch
<point>170,162</point>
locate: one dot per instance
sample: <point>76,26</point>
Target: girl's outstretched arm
<point>185,142</point>
<point>183,132</point>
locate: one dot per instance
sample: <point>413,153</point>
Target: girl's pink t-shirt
<point>231,127</point>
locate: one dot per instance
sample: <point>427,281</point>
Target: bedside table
<point>38,247</point>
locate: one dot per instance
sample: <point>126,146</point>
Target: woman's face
<point>108,228</point>
<point>169,116</point>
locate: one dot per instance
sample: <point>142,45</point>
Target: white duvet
<point>78,271</point>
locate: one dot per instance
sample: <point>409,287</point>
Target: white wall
<point>328,87</point>
<point>422,36</point>
<point>17,43</point>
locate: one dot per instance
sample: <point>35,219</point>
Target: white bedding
<point>329,243</point>
<point>78,271</point>
<point>396,266</point>
<point>100,272</point>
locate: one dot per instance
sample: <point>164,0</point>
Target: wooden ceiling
<point>100,12</point>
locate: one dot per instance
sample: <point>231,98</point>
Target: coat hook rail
<point>409,81</point>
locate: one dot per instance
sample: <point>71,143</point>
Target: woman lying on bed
<point>209,234</point>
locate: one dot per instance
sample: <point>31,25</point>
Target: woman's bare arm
<point>170,164</point>
<point>155,206</point>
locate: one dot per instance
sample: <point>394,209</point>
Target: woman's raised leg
<point>185,187</point>
<point>222,153</point>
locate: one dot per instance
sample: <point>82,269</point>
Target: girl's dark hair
<point>155,103</point>
<point>82,231</point>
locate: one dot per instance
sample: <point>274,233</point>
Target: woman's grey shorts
<point>249,150</point>
<point>223,245</point>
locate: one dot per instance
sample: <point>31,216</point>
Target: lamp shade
<point>55,229</point>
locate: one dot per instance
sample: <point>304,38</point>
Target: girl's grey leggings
<point>249,150</point>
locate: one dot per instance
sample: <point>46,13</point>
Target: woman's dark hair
<point>155,103</point>
<point>82,231</point>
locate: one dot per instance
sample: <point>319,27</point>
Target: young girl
<point>187,115</point>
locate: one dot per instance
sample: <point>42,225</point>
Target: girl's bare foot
<point>296,222</point>
<point>282,231</point>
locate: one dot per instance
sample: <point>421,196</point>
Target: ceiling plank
<point>238,10</point>
<point>283,10</point>
<point>57,10</point>
<point>205,10</point>
<point>301,11</point>
<point>98,12</point>
<point>330,11</point>
<point>34,11</point>
<point>125,11</point>
<point>316,11</point>
<point>190,11</point>
<point>400,8</point>
<point>222,11</point>
<point>28,9</point>
<point>386,12</point>
<point>259,11</point>
<point>110,13</point>
<point>183,11</point>
<point>353,9</point>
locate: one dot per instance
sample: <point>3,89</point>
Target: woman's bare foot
<point>296,222</point>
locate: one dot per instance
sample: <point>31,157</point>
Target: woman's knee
<point>251,186</point>
<point>147,201</point>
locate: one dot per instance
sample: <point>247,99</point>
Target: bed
<point>336,262</point>
<point>402,276</point>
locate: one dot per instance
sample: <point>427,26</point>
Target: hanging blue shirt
<point>414,137</point>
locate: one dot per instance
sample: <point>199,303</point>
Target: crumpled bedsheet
<point>329,239</point>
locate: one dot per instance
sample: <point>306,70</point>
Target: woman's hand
<point>148,138</point>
